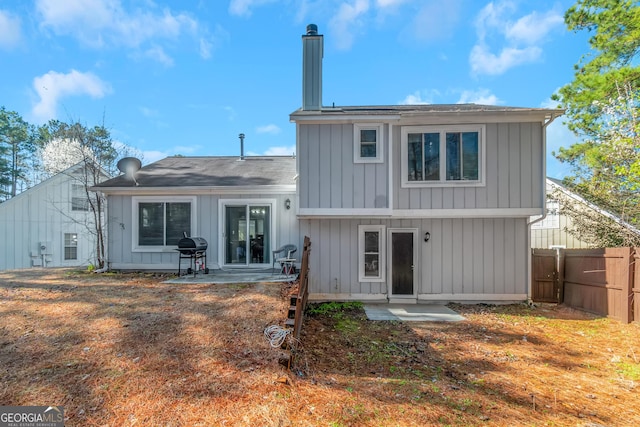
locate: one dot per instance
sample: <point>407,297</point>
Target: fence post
<point>627,287</point>
<point>560,269</point>
<point>634,297</point>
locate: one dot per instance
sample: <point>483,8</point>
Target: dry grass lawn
<point>127,349</point>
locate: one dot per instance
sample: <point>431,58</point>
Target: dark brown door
<point>402,263</point>
<point>545,276</point>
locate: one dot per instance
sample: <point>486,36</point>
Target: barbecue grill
<point>195,250</point>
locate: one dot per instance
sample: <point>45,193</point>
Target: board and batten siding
<point>121,255</point>
<point>512,180</point>
<point>329,178</point>
<point>464,260</point>
<point>42,215</point>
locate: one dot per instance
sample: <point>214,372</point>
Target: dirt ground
<point>127,349</point>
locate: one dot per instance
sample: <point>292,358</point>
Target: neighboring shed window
<point>162,223</point>
<point>442,156</point>
<point>70,246</point>
<point>79,200</point>
<point>552,220</point>
<point>367,147</point>
<point>371,253</point>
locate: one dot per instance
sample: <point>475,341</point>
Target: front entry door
<point>403,262</point>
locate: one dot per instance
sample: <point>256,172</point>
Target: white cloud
<point>10,30</point>
<point>480,96</point>
<point>280,151</point>
<point>534,27</point>
<point>389,3</point>
<point>53,86</point>
<point>151,156</point>
<point>231,113</point>
<point>485,62</point>
<point>102,23</point>
<point>271,129</point>
<point>420,98</point>
<point>243,7</point>
<point>148,112</point>
<point>347,21</point>
<point>158,54</point>
<point>504,43</point>
<point>436,20</point>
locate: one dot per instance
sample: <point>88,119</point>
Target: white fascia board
<point>342,213</point>
<point>365,118</point>
<point>419,213</point>
<point>186,190</point>
<point>466,213</point>
<point>447,118</point>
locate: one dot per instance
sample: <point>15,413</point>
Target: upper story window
<point>443,156</point>
<point>79,198</point>
<point>160,223</point>
<point>367,146</point>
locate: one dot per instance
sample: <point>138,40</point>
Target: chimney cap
<point>312,30</point>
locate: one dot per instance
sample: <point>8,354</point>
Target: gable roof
<point>557,184</point>
<point>67,174</point>
<point>208,172</point>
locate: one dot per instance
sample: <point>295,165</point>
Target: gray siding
<point>43,214</point>
<point>463,257</point>
<point>328,176</point>
<point>120,231</point>
<point>513,174</point>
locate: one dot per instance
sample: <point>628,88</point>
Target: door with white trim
<point>247,230</point>
<point>402,263</point>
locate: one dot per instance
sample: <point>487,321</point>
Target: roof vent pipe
<point>241,136</point>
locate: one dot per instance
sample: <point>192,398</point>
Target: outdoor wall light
<point>287,204</point>
<point>427,236</point>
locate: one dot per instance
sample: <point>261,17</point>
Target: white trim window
<point>552,220</point>
<point>159,223</point>
<point>443,156</point>
<point>371,253</point>
<point>70,246</point>
<point>367,143</point>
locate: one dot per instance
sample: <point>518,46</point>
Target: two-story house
<point>402,203</point>
<point>417,202</point>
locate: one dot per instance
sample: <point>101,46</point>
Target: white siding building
<point>46,225</point>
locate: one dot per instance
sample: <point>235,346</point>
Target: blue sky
<point>186,77</point>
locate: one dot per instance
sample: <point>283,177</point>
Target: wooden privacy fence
<point>603,281</point>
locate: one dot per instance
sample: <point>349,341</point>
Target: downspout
<point>544,200</point>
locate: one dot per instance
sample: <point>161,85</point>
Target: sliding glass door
<point>247,234</point>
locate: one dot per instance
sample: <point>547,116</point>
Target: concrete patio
<point>234,276</point>
<point>412,312</point>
